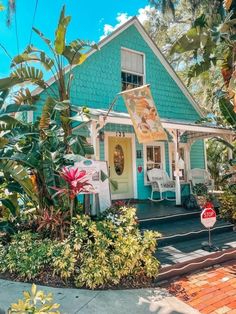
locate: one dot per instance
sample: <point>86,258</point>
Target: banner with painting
<point>143,113</point>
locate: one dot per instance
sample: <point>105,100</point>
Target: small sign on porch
<point>208,219</point>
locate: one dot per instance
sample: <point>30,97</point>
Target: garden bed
<point>109,252</point>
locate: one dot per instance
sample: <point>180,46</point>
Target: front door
<point>120,166</point>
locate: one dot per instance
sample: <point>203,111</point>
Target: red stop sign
<point>208,217</point>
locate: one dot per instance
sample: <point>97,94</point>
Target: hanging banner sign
<point>143,113</point>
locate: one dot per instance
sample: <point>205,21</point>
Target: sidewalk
<point>211,290</point>
<point>137,301</point>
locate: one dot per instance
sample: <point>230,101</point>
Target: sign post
<point>208,219</point>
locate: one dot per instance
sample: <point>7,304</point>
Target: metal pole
<point>209,240</point>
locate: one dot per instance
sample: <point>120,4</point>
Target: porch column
<point>175,135</point>
<point>94,130</point>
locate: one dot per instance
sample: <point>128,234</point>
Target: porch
<point>182,232</point>
<point>112,134</point>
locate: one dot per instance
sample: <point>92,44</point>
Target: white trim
<point>163,159</point>
<point>199,128</point>
<point>205,154</point>
<point>173,125</point>
<point>186,159</point>
<point>134,170</point>
<point>134,21</point>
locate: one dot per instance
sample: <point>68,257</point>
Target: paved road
<point>137,301</point>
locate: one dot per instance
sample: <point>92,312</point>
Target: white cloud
<point>122,18</point>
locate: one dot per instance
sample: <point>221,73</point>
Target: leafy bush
<point>112,249</point>
<point>64,259</point>
<point>26,255</point>
<point>228,206</point>
<point>95,254</point>
<point>200,189</point>
<point>35,302</point>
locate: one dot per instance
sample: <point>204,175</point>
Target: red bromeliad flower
<point>208,205</point>
<point>77,181</point>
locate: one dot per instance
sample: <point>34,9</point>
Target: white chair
<point>198,175</point>
<point>160,182</point>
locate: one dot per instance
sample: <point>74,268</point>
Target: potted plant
<point>200,192</point>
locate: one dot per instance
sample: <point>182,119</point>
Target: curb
<point>179,269</point>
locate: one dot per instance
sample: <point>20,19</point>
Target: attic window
<point>132,69</point>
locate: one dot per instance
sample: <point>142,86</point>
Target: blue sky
<point>89,21</point>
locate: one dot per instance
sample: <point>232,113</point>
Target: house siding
<point>98,80</point>
<point>197,155</point>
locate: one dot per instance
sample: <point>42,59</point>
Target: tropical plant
<point>32,154</point>
<point>24,70</point>
<point>228,206</point>
<point>77,182</point>
<point>54,223</point>
<point>217,162</point>
<point>35,302</point>
<point>200,189</point>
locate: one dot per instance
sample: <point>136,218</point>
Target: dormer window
<point>132,69</point>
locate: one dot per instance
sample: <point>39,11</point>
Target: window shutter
<point>131,61</point>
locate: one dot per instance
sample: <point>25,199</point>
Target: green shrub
<point>64,259</point>
<point>26,255</point>
<point>95,254</point>
<point>112,248</point>
<point>200,189</point>
<point>228,206</point>
<point>2,255</point>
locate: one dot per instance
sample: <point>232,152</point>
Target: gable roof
<point>134,21</point>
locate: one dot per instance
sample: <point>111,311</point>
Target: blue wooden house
<point>129,58</point>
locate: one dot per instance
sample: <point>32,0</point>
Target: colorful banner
<point>143,113</point>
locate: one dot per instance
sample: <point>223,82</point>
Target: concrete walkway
<point>137,301</point>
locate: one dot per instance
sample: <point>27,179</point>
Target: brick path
<point>210,291</point>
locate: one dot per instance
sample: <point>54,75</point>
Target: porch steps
<point>183,227</point>
<point>180,248</point>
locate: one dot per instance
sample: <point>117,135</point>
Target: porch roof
<point>189,130</point>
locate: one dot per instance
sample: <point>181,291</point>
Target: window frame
<point>133,72</point>
<point>163,160</point>
<point>186,160</point>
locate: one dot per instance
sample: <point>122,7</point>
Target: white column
<point>93,135</point>
<point>176,156</point>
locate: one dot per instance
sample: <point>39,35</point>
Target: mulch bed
<point>47,279</point>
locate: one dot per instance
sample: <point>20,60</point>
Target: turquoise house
<point>129,58</point>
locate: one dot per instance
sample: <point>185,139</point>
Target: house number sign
<point>120,134</point>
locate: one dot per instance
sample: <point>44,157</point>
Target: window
<point>154,157</point>
<point>183,156</point>
<point>132,69</point>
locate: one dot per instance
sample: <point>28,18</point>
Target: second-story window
<point>132,69</point>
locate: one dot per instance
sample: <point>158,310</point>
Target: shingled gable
<point>135,22</point>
